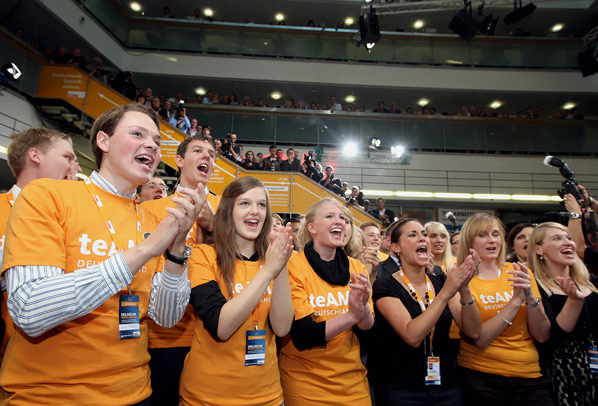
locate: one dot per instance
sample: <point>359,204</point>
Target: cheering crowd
<point>117,294</point>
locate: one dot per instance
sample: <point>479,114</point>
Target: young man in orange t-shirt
<point>80,267</point>
<point>168,347</point>
<point>32,154</point>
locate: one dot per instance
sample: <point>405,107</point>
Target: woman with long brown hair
<point>240,290</point>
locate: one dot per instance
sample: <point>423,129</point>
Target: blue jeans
<point>391,395</point>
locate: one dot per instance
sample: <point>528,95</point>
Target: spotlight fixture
<point>10,71</point>
<point>397,151</point>
<point>520,13</point>
<point>588,59</point>
<point>369,29</point>
<point>350,150</point>
<point>464,23</point>
<point>374,143</point>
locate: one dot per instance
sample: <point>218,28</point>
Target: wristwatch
<point>574,215</point>
<point>178,260</point>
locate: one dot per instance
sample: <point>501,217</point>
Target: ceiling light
<point>275,95</point>
<point>495,104</point>
<point>443,195</point>
<point>491,196</point>
<point>454,62</point>
<point>557,27</point>
<point>135,6</point>
<point>397,151</point>
<point>423,102</point>
<point>413,194</point>
<point>208,12</point>
<point>533,198</point>
<point>349,20</point>
<point>377,192</point>
<point>374,143</point>
<point>350,98</point>
<point>3,149</point>
<point>10,71</point>
<point>200,91</point>
<point>568,106</point>
<point>350,149</point>
<point>520,13</point>
<point>418,24</point>
<point>279,17</point>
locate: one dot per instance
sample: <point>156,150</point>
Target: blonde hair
<point>34,137</point>
<point>578,272</point>
<point>304,236</point>
<point>473,226</point>
<point>434,227</point>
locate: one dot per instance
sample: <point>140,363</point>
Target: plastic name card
<point>433,371</point>
<point>255,347</point>
<point>128,317</point>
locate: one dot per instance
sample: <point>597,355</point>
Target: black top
<point>395,362</point>
<point>587,323</point>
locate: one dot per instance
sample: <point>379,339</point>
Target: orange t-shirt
<point>180,335</point>
<point>6,203</point>
<point>512,353</point>
<point>383,256</point>
<point>83,361</point>
<point>215,373</point>
<point>330,375</point>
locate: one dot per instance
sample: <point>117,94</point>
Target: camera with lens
<point>352,200</point>
<point>570,184</point>
<point>309,159</point>
<point>180,110</point>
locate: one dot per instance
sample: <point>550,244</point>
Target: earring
<point>541,257</point>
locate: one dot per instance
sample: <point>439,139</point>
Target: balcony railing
<point>261,40</point>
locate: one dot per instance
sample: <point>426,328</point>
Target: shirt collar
<point>103,184</point>
<point>15,190</point>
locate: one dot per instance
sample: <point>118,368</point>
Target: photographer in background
<point>230,149</point>
<point>179,119</point>
<point>580,226</point>
<point>309,167</point>
<point>332,183</point>
<point>356,197</point>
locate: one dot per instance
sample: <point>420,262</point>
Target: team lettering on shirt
<point>99,248</point>
<point>496,301</point>
<point>267,298</point>
<point>324,305</point>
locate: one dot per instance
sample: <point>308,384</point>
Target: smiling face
<point>329,228</point>
<point>132,153</point>
<point>488,242</point>
<point>249,213</point>
<point>520,243</point>
<point>557,247</point>
<point>152,190</point>
<point>413,246</point>
<point>372,235</point>
<point>58,161</point>
<point>197,165</point>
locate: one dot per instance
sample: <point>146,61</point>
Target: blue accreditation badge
<point>593,358</point>
<point>128,316</point>
<point>255,347</point>
<point>433,371</point>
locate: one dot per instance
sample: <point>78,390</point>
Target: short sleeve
<point>299,295</point>
<point>34,234</point>
<point>202,265</point>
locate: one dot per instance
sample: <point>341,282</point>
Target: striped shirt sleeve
<point>43,297</point>
<point>169,298</point>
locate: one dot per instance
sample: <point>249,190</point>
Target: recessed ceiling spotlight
<point>423,102</point>
<point>208,12</point>
<point>349,20</point>
<point>200,91</point>
<point>557,27</point>
<point>418,24</point>
<point>135,6</point>
<point>350,98</point>
<point>275,95</point>
<point>495,104</point>
<point>279,17</point>
<point>568,106</point>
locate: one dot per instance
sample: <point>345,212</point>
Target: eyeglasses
<point>152,186</point>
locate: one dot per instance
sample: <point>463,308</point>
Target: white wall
<point>16,114</point>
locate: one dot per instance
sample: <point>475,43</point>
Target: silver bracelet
<point>510,323</point>
<point>534,304</point>
<point>468,303</point>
